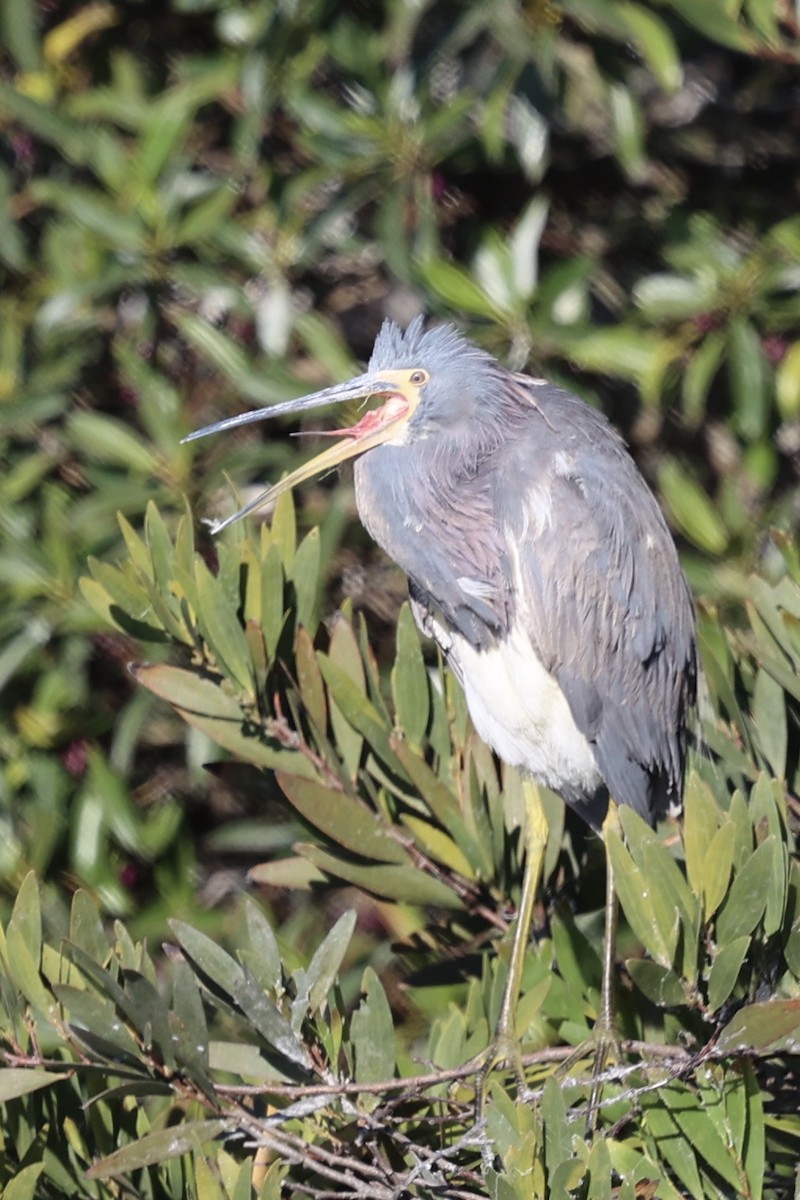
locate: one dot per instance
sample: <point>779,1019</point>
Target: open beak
<point>375,427</point>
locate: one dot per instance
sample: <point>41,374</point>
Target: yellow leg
<point>607,1006</point>
<point>504,1046</point>
<point>605,1036</point>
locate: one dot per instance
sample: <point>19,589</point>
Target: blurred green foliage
<point>211,203</point>
<point>394,795</point>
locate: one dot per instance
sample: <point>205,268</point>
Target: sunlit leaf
<point>393,882</point>
<point>760,1026</point>
<point>372,1032</point>
<point>725,971</point>
<point>20,1081</point>
<point>343,819</point>
<point>158,1147</point>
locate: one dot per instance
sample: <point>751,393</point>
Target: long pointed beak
<point>374,427</point>
<point>356,389</point>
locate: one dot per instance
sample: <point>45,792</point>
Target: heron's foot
<point>607,1047</point>
<point>602,1047</point>
<point>502,1051</point>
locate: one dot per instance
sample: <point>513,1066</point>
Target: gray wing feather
<point>606,604</point>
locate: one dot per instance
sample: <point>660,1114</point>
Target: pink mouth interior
<point>373,421</point>
<point>394,408</point>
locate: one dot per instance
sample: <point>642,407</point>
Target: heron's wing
<point>606,606</point>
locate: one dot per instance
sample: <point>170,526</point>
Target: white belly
<point>518,708</point>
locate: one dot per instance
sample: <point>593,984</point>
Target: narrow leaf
<point>19,1081</point>
<point>372,1031</point>
<point>158,1147</point>
<point>342,819</point>
<point>393,882</point>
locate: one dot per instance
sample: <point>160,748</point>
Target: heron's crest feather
<point>416,346</point>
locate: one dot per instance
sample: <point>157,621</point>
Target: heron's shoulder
<point>564,443</point>
<point>559,417</point>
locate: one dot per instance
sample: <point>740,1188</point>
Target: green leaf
<point>725,971</point>
<point>26,918</point>
<point>669,889</point>
<point>188,1026</point>
<point>748,380</point>
<point>306,579</point>
<point>20,35</point>
<point>268,1021</point>
<point>284,530</point>
<point>675,296</point>
<point>346,658</point>
<point>206,1184</point>
<point>99,1017</point>
<point>167,123</point>
<point>265,958</point>
<point>701,820</point>
<point>204,705</point>
<point>272,609</point>
<point>315,982</point>
<point>654,43</point>
<point>557,1136</point>
<point>716,22</point>
<point>524,246</point>
<point>222,631</point>
<point>761,1026</point>
<point>754,1140</point>
<point>228,357</point>
<point>442,802</point>
<point>747,898</point>
<point>717,867</point>
<point>673,1146</point>
<point>769,717</point>
<point>629,131</point>
<point>292,872</point>
<point>106,440</point>
<point>787,383</point>
<point>93,210</point>
<point>699,1130</point>
<point>623,352</point>
<point>246,1060</point>
<point>691,509</point>
<point>86,928</point>
<point>121,596</point>
<point>220,973</point>
<point>20,1081</point>
<point>699,376</point>
<point>188,691</point>
<point>159,549</point>
<point>647,909</point>
<point>23,1185</point>
<point>410,680</point>
<point>438,845</point>
<point>158,1147</point>
<point>402,883</point>
<point>23,970</point>
<point>309,680</point>
<point>358,712</point>
<point>70,138</point>
<point>147,1011</point>
<point>372,1032</point>
<point>343,819</point>
<point>452,284</point>
<point>659,984</point>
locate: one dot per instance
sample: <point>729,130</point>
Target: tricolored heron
<point>539,561</point>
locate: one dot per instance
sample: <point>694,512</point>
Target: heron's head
<point>431,381</point>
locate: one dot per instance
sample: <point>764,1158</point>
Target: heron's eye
<point>419,377</point>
